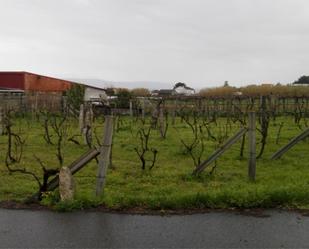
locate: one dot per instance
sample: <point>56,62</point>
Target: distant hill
<point>126,84</point>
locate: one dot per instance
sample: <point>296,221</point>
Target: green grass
<point>169,185</point>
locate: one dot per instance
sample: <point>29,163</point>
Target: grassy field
<point>169,185</point>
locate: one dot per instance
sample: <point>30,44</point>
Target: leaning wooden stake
<point>104,158</point>
<point>219,151</point>
<point>293,142</point>
<point>252,146</point>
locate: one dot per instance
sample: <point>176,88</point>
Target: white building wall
<point>94,94</point>
<point>184,91</point>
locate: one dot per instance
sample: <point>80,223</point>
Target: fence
<point>207,106</point>
<point>229,106</point>
<point>32,102</point>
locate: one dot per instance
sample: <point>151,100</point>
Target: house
<point>166,92</point>
<point>179,89</point>
<point>182,89</point>
<point>155,93</point>
<point>163,92</point>
<point>95,95</point>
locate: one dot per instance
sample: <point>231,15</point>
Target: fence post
<point>81,118</point>
<point>174,112</point>
<point>161,122</point>
<point>105,150</point>
<point>1,122</point>
<point>131,108</point>
<point>252,146</point>
<point>143,108</point>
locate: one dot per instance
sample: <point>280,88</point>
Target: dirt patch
<point>254,212</point>
<point>19,205</point>
<point>147,211</point>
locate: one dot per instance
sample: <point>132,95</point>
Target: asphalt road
<point>44,229</point>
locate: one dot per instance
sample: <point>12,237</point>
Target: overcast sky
<point>199,42</point>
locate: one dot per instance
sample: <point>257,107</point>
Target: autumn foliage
<point>257,90</point>
<point>140,92</point>
<point>224,91</point>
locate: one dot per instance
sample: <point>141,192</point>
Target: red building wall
<point>12,80</point>
<point>33,82</point>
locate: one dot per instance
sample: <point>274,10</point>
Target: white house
<point>183,90</point>
<point>95,95</point>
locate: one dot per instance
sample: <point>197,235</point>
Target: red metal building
<point>30,82</point>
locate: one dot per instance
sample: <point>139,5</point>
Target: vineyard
<point>157,147</point>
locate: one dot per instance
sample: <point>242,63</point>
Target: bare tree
<point>264,123</point>
<point>15,143</point>
<point>14,153</point>
<point>46,125</point>
<point>240,117</point>
<point>163,122</point>
<point>143,149</point>
<point>60,127</point>
<point>196,146</point>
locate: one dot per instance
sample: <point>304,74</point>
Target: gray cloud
<point>201,42</point>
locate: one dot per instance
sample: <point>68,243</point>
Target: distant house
<point>94,94</point>
<point>182,89</point>
<point>179,89</point>
<point>155,93</point>
<point>163,92</point>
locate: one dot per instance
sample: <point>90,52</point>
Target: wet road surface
<point>45,229</point>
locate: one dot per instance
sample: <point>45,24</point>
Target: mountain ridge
<point>152,85</point>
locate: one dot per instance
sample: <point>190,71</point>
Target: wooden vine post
<point>131,108</point>
<point>252,146</point>
<point>81,118</point>
<point>105,150</point>
<point>143,108</point>
<point>1,122</point>
<point>174,109</point>
<point>161,122</point>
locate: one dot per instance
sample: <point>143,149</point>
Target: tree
<point>75,96</point>
<point>144,152</point>
<point>223,91</point>
<point>140,92</point>
<point>302,80</point>
<point>123,97</point>
<point>180,84</point>
<point>14,155</point>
